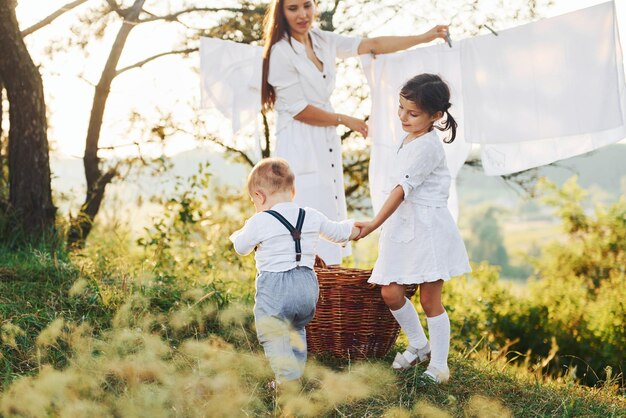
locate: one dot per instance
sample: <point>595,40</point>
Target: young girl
<point>420,243</point>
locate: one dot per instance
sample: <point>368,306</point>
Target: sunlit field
<point>121,294</point>
<point>161,325</point>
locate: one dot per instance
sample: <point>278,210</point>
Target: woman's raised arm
<point>388,44</point>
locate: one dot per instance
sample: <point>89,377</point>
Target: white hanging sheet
<point>552,78</point>
<point>532,95</point>
<point>230,75</point>
<point>545,91</point>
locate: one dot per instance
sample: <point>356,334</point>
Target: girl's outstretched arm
<point>388,44</point>
<point>391,204</point>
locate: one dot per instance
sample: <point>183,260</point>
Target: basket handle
<point>319,263</point>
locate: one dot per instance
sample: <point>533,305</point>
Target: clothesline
<point>535,94</point>
<point>532,95</point>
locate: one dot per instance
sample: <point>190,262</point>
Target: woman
<point>298,80</point>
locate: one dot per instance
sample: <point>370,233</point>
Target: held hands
<point>355,233</point>
<point>439,31</point>
<point>365,227</point>
<point>391,204</point>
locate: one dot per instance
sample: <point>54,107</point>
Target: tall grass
<point>201,359</point>
<point>162,326</point>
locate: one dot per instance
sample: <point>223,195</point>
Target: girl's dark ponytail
<point>449,124</point>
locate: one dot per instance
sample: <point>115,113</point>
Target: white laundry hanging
<point>548,79</point>
<point>521,93</point>
<point>488,76</point>
<point>545,91</point>
<point>231,80</point>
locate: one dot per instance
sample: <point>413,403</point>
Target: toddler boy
<point>285,238</point>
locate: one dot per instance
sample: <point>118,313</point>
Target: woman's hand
<point>365,227</point>
<point>439,31</point>
<point>357,125</point>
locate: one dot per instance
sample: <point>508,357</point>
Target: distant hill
<point>68,173</point>
<point>68,184</point>
<point>602,171</point>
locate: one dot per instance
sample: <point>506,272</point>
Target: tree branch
<point>265,150</point>
<point>101,94</point>
<point>231,149</point>
<point>53,16</point>
<point>152,58</point>
<point>114,147</point>
<point>116,8</point>
<point>174,16</point>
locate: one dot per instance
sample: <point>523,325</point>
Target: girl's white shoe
<point>436,375</point>
<point>420,355</point>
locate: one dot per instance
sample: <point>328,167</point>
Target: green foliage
<point>34,285</point>
<point>356,165</point>
<point>581,281</point>
<point>158,363</point>
<point>245,25</point>
<point>131,371</point>
<point>166,325</point>
<point>190,241</point>
<point>596,247</point>
<point>571,319</point>
<point>486,243</point>
<point>184,258</point>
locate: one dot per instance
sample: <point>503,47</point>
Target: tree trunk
<point>30,195</point>
<point>1,115</point>
<point>80,227</point>
<point>4,170</point>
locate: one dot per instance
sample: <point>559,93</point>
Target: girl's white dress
<point>420,241</point>
<point>314,152</point>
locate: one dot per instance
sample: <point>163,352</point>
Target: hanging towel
<point>545,91</point>
<point>230,75</point>
<point>535,94</point>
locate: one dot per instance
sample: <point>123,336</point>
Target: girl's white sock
<point>439,331</point>
<point>410,323</point>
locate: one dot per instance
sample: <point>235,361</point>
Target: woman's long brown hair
<point>274,29</point>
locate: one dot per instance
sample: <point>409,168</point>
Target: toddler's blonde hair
<point>272,175</point>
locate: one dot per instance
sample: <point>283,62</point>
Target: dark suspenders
<point>296,232</point>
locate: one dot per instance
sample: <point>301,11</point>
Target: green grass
<point>147,342</point>
<point>483,388</point>
<point>34,286</point>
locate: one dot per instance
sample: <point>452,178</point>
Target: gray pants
<point>284,304</point>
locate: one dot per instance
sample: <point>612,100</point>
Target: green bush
<point>571,318</point>
<point>190,241</point>
<point>162,327</point>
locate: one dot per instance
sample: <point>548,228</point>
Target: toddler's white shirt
<point>274,243</point>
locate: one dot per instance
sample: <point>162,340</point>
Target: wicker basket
<point>351,319</point>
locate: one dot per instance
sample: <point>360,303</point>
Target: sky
<point>69,79</point>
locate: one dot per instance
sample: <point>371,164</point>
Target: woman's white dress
<point>313,152</point>
<point>420,241</point>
